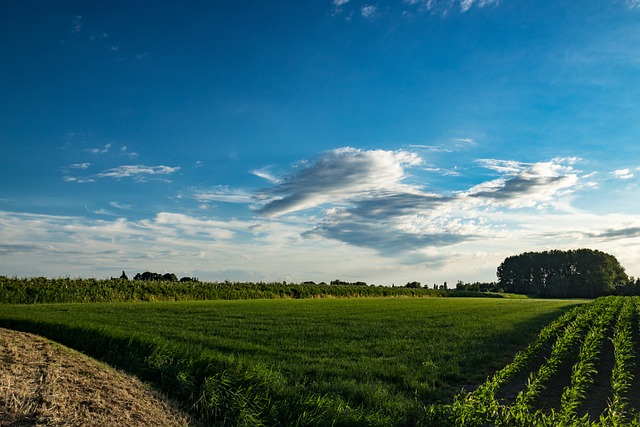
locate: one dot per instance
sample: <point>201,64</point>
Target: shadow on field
<point>498,350</point>
<point>216,390</point>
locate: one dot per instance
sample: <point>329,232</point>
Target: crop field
<point>41,290</point>
<point>581,370</point>
<point>373,361</point>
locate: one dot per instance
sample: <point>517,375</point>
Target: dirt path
<point>45,384</point>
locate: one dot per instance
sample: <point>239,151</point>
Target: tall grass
<point>14,290</point>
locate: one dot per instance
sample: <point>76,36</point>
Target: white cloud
<point>465,141</point>
<point>120,205</point>
<point>444,7</point>
<point>337,176</point>
<point>180,225</point>
<point>525,184</point>
<point>368,203</point>
<point>266,174</point>
<point>137,171</point>
<point>466,5</point>
<point>81,180</point>
<point>80,166</point>
<point>168,242</point>
<point>339,3</point>
<point>368,11</point>
<point>103,150</point>
<point>223,194</point>
<point>454,145</point>
<point>623,174</point>
<point>394,235</point>
<point>131,154</point>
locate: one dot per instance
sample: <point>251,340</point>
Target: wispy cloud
<point>139,171</point>
<point>617,233</point>
<point>80,180</point>
<point>337,176</point>
<point>445,7</point>
<point>22,248</point>
<point>77,25</point>
<point>368,11</point>
<point>453,145</point>
<point>223,194</point>
<point>120,205</point>
<point>168,241</point>
<point>80,166</point>
<point>633,4</point>
<point>526,184</point>
<point>623,174</point>
<point>338,6</point>
<point>131,154</point>
<point>466,5</point>
<point>265,173</point>
<point>368,203</point>
<point>103,150</point>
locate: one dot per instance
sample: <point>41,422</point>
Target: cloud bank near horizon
<point>363,211</point>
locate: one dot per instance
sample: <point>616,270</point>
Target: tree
<point>582,273</point>
<point>413,285</point>
<point>157,277</point>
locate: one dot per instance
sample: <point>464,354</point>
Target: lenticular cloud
<point>338,176</point>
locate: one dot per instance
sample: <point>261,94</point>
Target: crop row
<point>575,341</point>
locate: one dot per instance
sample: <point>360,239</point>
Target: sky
<point>381,141</point>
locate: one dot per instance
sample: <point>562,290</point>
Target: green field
<point>365,361</point>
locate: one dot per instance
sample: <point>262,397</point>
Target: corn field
<point>581,370</point>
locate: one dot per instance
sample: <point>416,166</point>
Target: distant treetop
<point>157,277</point>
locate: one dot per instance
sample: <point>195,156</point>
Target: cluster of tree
<point>157,277</point>
<point>479,286</point>
<point>341,283</point>
<point>418,285</point>
<point>581,273</point>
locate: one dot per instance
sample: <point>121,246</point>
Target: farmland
<point>365,361</point>
<point>581,370</point>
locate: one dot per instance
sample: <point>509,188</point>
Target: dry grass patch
<point>42,383</point>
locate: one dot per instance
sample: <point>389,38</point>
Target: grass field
<point>374,361</point>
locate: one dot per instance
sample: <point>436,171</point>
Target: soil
<point>45,384</point>
<point>600,390</point>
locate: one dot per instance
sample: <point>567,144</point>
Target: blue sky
<point>386,141</point>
